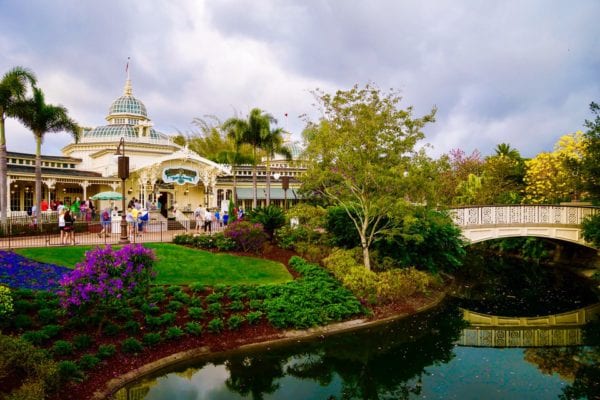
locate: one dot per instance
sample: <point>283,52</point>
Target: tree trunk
<point>366,257</point>
<point>38,176</point>
<point>254,200</point>
<point>3,171</point>
<point>234,186</point>
<point>268,194</point>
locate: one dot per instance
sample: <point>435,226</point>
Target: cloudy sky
<point>521,72</point>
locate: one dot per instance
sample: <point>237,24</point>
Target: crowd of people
<point>206,218</point>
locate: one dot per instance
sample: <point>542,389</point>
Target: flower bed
<point>22,273</point>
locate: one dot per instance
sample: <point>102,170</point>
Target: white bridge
<point>481,223</point>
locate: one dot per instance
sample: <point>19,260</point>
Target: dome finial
<point>128,91</point>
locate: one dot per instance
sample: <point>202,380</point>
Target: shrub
<point>590,227</point>
<point>47,316</point>
<point>111,329</point>
<point>107,277</point>
<point>106,351</point>
<point>31,372</point>
<point>223,243</point>
<point>215,325</point>
<point>151,339</point>
<point>271,218</point>
<point>82,342</point>
<point>237,305</point>
<point>193,328</point>
<point>167,318</point>
<point>6,301</point>
<point>150,308</point>
<point>132,327</point>
<point>51,330</point>
<point>247,236</point>
<point>62,348</point>
<point>36,338</point>
<point>215,309</point>
<point>197,287</point>
<point>254,317</point>
<point>235,321</point>
<point>22,321</point>
<point>312,252</point>
<point>214,297</point>
<point>255,304</point>
<point>156,298</point>
<point>88,361</point>
<point>22,306</point>
<point>153,322</point>
<point>237,292</point>
<point>174,305</point>
<point>173,333</point>
<point>131,345</point>
<point>195,312</point>
<point>220,289</point>
<point>70,371</point>
<point>125,313</point>
<point>182,297</point>
<point>173,289</point>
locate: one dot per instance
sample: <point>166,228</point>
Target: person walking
<point>70,226</point>
<point>208,219</point>
<point>61,225</point>
<point>105,220</point>
<point>199,217</point>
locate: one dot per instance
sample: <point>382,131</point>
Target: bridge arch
<point>562,222</point>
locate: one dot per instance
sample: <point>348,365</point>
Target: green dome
<point>113,132</point>
<point>128,105</point>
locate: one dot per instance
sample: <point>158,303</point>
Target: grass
<point>177,265</point>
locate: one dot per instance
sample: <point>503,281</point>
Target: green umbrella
<point>107,196</point>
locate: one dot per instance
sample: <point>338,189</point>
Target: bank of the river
<point>189,351</point>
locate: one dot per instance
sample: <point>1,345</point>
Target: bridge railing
<point>521,215</point>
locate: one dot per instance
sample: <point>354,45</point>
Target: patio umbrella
<point>107,196</point>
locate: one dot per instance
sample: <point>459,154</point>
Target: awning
<point>261,194</point>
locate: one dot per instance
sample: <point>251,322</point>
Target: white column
<point>84,185</point>
<point>9,182</point>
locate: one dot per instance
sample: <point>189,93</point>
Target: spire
<point>128,91</point>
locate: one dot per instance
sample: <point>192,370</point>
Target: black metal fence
<point>25,232</point>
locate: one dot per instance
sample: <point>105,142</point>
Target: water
<point>415,358</point>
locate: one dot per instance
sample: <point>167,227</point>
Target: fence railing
<point>24,233</point>
<point>521,215</point>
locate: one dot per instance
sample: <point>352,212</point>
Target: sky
<point>521,72</point>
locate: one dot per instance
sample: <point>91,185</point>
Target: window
<point>28,198</point>
<point>15,200</point>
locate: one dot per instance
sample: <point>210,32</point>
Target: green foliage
<point>82,342</point>
<point>215,297</point>
<point>62,348</point>
<point>237,305</point>
<point>22,321</point>
<point>270,217</point>
<point>314,299</point>
<point>312,252</point>
<point>33,374</point>
<point>132,327</point>
<point>254,317</point>
<point>217,241</point>
<point>182,297</point>
<point>375,288</point>
<point>215,325</point>
<point>151,339</point>
<point>339,224</point>
<point>195,313</point>
<point>106,351</point>
<point>111,329</point>
<point>215,309</point>
<point>174,305</point>
<point>590,168</point>
<point>193,328</point>
<point>235,322</point>
<point>167,318</point>
<point>248,236</point>
<point>174,332</point>
<point>70,371</point>
<point>51,331</point>
<point>88,361</point>
<point>590,227</point>
<point>6,301</point>
<point>131,345</point>
<point>172,289</point>
<point>36,338</point>
<point>255,304</point>
<point>424,238</point>
<point>197,287</point>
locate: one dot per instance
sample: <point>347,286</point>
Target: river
<point>414,358</point>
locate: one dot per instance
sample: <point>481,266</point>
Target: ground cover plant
<point>179,265</point>
<point>99,337</point>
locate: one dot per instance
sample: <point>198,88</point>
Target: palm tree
<point>42,118</point>
<point>273,144</point>
<point>504,149</point>
<point>13,87</point>
<point>252,131</point>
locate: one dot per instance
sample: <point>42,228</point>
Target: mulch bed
<point>121,363</point>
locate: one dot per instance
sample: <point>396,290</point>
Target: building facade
<point>162,173</point>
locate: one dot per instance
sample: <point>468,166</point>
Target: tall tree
<point>273,144</point>
<point>13,87</point>
<point>43,118</point>
<point>590,164</point>
<point>252,131</point>
<point>358,153</point>
<point>504,149</point>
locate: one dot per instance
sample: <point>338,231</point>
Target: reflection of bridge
<point>552,330</point>
<point>481,223</point>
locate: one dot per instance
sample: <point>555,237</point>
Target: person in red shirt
<point>44,205</point>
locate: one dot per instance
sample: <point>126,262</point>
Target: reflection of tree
<point>255,374</point>
<point>550,360</point>
<point>385,362</point>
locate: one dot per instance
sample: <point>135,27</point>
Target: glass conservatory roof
<point>111,132</point>
<point>128,105</point>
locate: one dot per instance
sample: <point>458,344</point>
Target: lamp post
<point>123,174</point>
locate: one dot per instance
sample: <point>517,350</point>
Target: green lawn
<point>181,265</point>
